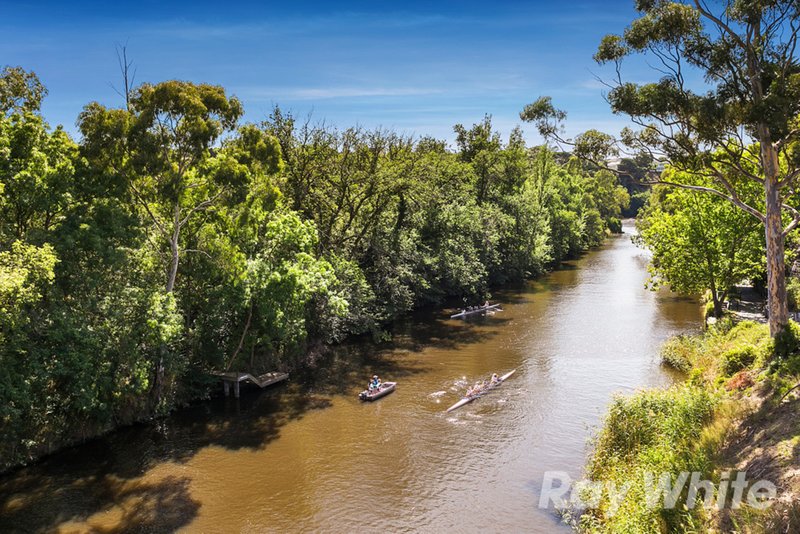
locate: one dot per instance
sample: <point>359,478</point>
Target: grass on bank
<point>688,427</point>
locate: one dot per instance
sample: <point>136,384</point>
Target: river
<point>308,456</point>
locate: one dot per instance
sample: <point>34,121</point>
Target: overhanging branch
<point>734,200</point>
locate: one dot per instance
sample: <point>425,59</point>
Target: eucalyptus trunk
<point>174,249</point>
<point>173,265</point>
<point>777,302</point>
<point>777,299</point>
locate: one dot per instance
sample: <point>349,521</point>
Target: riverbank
<point>309,456</point>
<point>736,412</point>
<point>314,356</point>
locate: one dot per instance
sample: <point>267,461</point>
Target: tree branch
<point>200,207</point>
<point>144,204</point>
<point>749,209</point>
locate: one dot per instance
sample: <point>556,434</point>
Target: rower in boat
<point>482,386</point>
<point>481,309</point>
<point>476,389</point>
<point>479,389</point>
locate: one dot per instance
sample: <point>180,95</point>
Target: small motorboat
<point>384,389</point>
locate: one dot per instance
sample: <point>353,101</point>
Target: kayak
<point>467,400</point>
<point>384,389</point>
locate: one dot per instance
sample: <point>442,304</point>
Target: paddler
<point>495,378</point>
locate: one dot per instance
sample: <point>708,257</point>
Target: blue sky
<point>415,67</point>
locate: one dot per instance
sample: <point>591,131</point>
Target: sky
<point>415,67</point>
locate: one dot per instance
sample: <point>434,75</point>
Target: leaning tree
<point>724,109</point>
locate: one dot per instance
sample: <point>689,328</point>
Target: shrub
<point>709,309</point>
<point>793,293</point>
<point>785,368</point>
<point>677,353</point>
<point>724,325</point>
<point>736,359</point>
<point>748,332</point>
<point>743,335</point>
<point>651,432</point>
<point>594,228</point>
<point>787,342</point>
<point>614,225</point>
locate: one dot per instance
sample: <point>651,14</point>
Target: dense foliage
<point>644,436</point>
<point>707,424</point>
<point>171,241</point>
<point>700,242</point>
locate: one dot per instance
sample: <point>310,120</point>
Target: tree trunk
<point>717,306</point>
<point>158,384</point>
<point>777,303</point>
<point>173,266</point>
<point>241,340</point>
<point>715,297</point>
<point>777,300</point>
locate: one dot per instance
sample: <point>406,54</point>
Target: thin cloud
<point>326,93</point>
<point>593,83</point>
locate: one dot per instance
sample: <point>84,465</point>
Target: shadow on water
<point>666,297</point>
<point>570,265</point>
<point>107,473</point>
<point>148,507</point>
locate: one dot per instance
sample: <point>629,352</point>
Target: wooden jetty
<point>234,378</point>
<point>480,309</point>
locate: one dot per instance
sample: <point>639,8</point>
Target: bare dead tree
<point>128,76</point>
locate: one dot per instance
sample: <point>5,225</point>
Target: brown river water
<point>307,456</point>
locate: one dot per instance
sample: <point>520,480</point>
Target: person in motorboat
<point>374,384</point>
<point>486,304</point>
<point>495,379</point>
